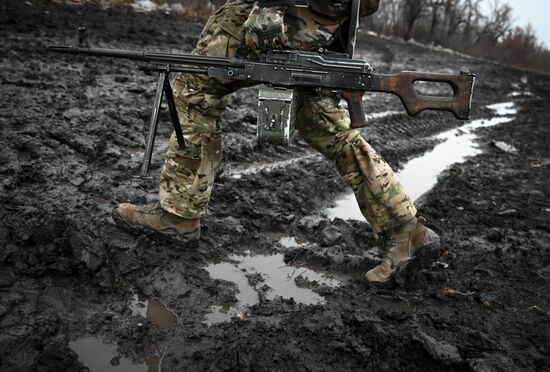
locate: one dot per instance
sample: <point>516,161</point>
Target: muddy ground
<point>72,136</point>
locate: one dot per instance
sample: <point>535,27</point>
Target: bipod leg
<point>173,112</point>
<point>153,125</point>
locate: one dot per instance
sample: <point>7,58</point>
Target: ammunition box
<point>276,115</point>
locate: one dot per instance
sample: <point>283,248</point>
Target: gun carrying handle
<point>355,108</point>
<point>402,85</point>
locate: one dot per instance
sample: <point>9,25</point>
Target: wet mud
<point>72,284</point>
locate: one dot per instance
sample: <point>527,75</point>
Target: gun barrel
<point>148,56</point>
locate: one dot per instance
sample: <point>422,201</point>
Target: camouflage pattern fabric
<point>188,176</point>
<point>326,127</point>
<point>265,29</point>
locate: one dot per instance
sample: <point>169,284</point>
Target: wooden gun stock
<point>402,85</point>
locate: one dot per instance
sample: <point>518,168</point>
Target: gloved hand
<point>265,28</point>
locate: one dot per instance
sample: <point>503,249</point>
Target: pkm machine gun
<point>289,69</point>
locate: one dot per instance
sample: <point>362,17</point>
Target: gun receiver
<point>350,78</point>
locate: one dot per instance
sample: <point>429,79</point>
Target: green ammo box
<point>276,115</point>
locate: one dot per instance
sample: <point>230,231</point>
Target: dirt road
<point>274,284</point>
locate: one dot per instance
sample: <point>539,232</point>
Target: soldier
<point>188,175</point>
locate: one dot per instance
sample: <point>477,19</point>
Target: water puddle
<point>525,93</point>
<point>383,114</point>
<point>98,356</point>
<point>154,310</point>
<point>246,295</point>
<point>501,109</point>
<point>420,174</point>
<point>267,273</point>
<point>345,207</point>
<point>291,242</point>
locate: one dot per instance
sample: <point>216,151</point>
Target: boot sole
<point>145,229</point>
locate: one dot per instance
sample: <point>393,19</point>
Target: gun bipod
<point>163,88</point>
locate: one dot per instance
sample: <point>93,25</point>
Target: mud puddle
<point>525,93</point>
<point>98,356</point>
<point>265,274</point>
<point>154,310</point>
<point>246,295</point>
<point>383,114</point>
<point>419,175</point>
<point>291,242</point>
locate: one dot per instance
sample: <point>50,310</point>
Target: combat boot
<point>154,217</point>
<point>402,244</point>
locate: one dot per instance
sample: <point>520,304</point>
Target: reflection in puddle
<point>275,279</point>
<point>154,310</point>
<point>100,357</point>
<point>419,175</point>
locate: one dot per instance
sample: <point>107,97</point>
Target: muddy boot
<point>403,245</point>
<point>153,217</point>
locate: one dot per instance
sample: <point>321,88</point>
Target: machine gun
<point>282,71</point>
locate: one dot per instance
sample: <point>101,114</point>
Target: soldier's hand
<point>265,28</point>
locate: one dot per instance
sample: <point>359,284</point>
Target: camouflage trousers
<point>188,175</point>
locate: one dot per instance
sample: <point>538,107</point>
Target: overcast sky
<point>536,12</point>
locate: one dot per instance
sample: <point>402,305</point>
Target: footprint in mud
<point>268,274</point>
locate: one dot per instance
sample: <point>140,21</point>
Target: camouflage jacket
<point>301,28</point>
